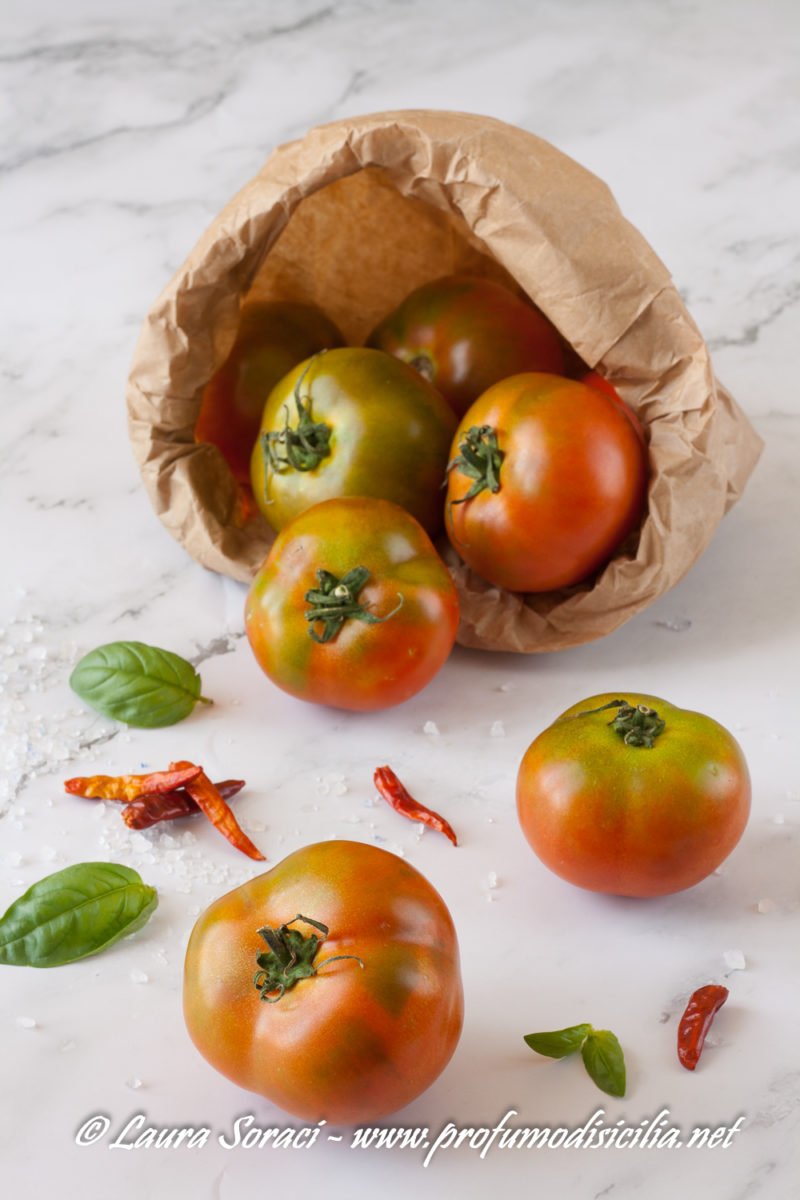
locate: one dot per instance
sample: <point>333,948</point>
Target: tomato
<point>352,422</point>
<point>642,800</point>
<point>353,606</point>
<point>355,1039</point>
<point>272,337</point>
<point>546,479</point>
<point>596,380</point>
<point>464,334</point>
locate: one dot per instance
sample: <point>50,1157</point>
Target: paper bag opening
<point>352,218</point>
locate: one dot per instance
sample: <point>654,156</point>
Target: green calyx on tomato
<point>367,662</point>
<point>351,1045</point>
<point>464,333</point>
<point>305,446</point>
<point>352,422</point>
<point>290,957</point>
<point>636,724</point>
<point>606,817</point>
<point>336,601</point>
<point>480,458</point>
<point>574,477</point>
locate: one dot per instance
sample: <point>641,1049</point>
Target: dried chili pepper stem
<point>393,791</point>
<point>703,1006</point>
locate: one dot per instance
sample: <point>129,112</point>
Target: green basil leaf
<point>138,684</point>
<point>74,913</point>
<point>603,1059</point>
<point>560,1042</point>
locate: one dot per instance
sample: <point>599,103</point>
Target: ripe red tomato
<point>352,422</point>
<point>596,380</point>
<point>464,334</point>
<point>353,606</point>
<point>546,479</point>
<point>631,795</point>
<point>273,336</point>
<point>345,1041</point>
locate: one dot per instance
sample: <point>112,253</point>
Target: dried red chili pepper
<point>147,810</point>
<point>208,798</point>
<point>128,787</point>
<point>703,1006</point>
<point>401,801</point>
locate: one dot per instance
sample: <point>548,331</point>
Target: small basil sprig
<point>600,1050</point>
<point>74,913</point>
<point>138,684</point>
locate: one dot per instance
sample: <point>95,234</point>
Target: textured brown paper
<point>352,218</point>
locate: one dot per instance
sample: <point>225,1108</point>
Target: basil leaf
<point>74,913</point>
<point>561,1042</point>
<point>138,684</point>
<point>603,1059</point>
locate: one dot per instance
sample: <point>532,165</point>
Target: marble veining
<point>127,127</point>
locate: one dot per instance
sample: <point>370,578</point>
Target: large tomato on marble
<point>547,477</point>
<point>273,336</point>
<point>331,984</point>
<point>465,333</point>
<point>352,422</point>
<point>353,607</point>
<point>634,796</point>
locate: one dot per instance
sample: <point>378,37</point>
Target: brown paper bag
<point>356,215</point>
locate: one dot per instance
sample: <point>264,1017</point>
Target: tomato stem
<point>305,446</point>
<point>290,957</point>
<point>479,458</point>
<point>336,601</point>
<point>637,725</point>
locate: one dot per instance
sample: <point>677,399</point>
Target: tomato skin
<point>273,336</point>
<point>364,667</point>
<point>572,484</point>
<point>596,380</point>
<point>390,435</point>
<point>466,334</point>
<point>631,820</point>
<point>349,1044</point>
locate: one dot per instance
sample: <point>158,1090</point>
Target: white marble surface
<point>127,127</point>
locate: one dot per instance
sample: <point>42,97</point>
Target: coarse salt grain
<point>735,960</point>
<point>27,1022</point>
<point>139,977</point>
<point>498,729</point>
<point>766,905</point>
<point>431,728</point>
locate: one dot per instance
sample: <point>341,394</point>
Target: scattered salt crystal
<point>489,820</point>
<point>27,1022</point>
<point>491,879</point>
<point>134,1084</point>
<point>735,960</point>
<point>13,858</point>
<point>766,905</point>
<point>676,624</point>
<point>779,819</point>
<point>256,826</point>
<point>369,802</point>
<point>498,729</point>
<point>431,728</point>
<point>48,853</point>
<point>490,897</point>
<point>139,977</point>
<point>505,687</point>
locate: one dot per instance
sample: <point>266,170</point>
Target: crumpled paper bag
<point>355,215</point>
